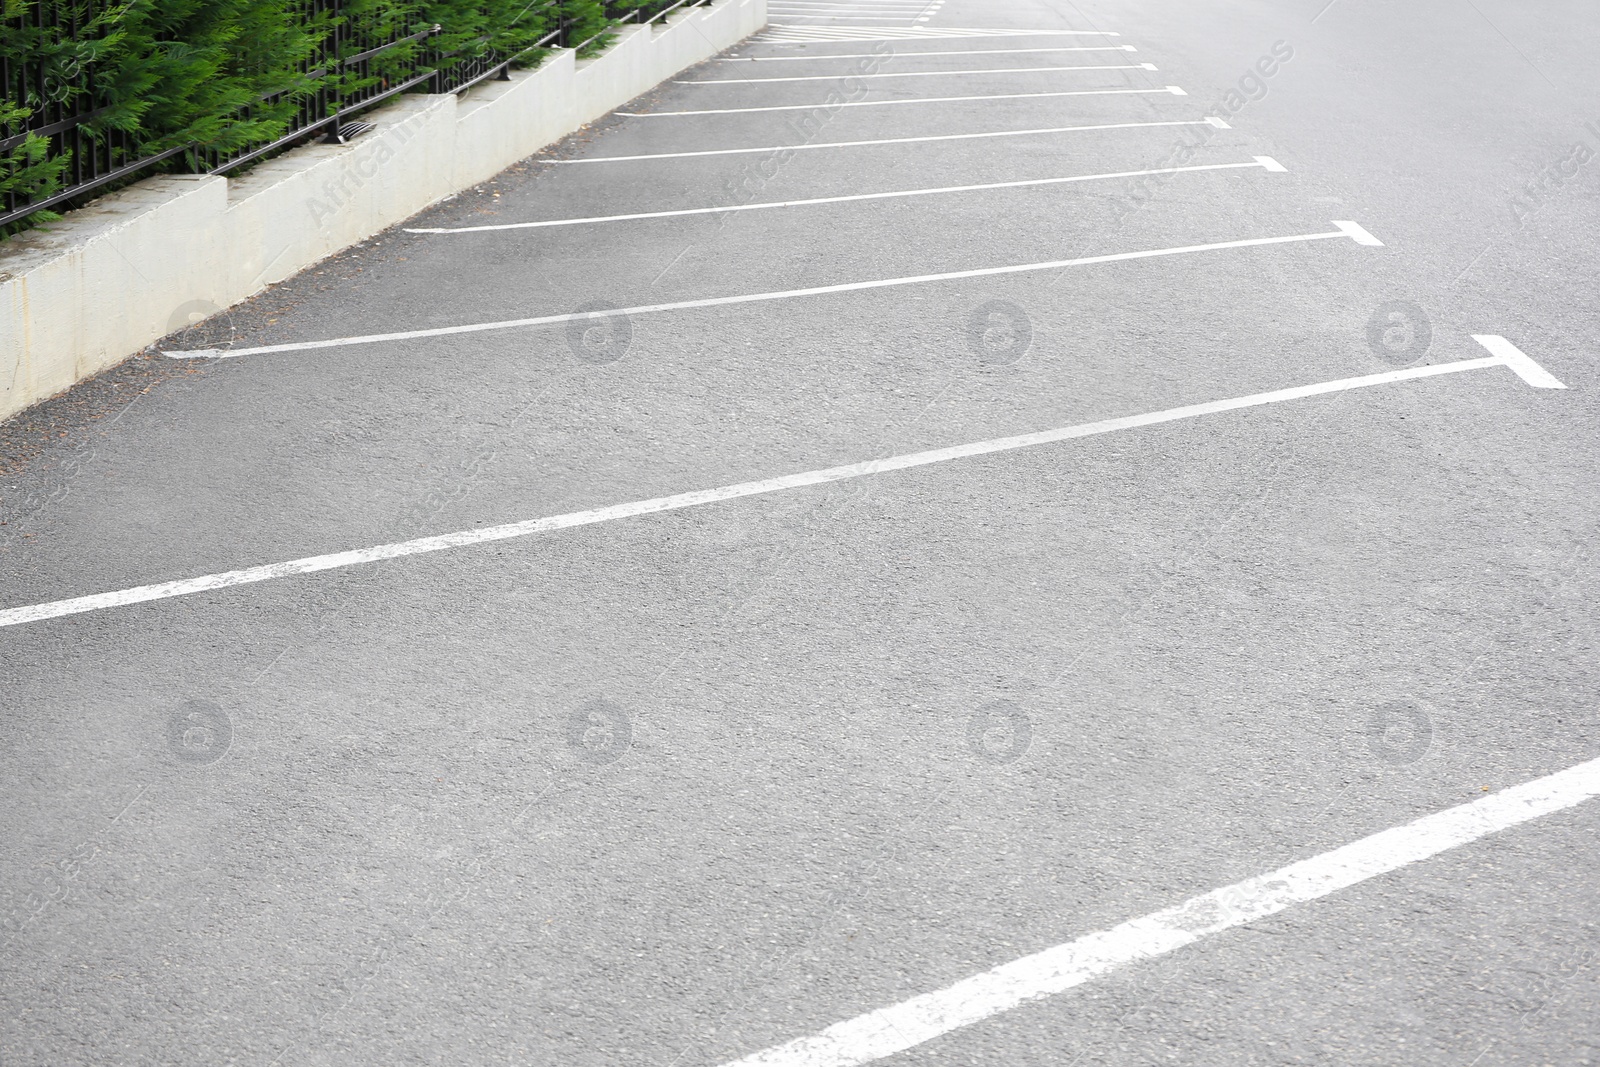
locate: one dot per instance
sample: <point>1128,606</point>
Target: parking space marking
<point>913,7</point>
<point>913,1022</point>
<point>939,52</point>
<point>811,34</point>
<point>18,616</point>
<point>1345,229</point>
<point>909,12</point>
<point>1209,120</point>
<point>911,74</point>
<point>1517,360</point>
<point>1166,90</point>
<point>1261,162</point>
<point>846,18</point>
<point>883,7</point>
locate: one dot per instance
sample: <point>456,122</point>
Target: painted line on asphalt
<point>1345,229</point>
<point>839,18</point>
<point>1172,90</point>
<point>874,16</point>
<point>807,35</point>
<point>1209,120</point>
<point>910,74</point>
<point>907,11</point>
<point>913,1022</point>
<point>1518,361</point>
<point>937,52</point>
<point>1262,162</point>
<point>464,538</point>
<point>898,6</point>
<point>862,12</point>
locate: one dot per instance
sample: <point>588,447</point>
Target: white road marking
<point>939,52</point>
<point>1262,162</point>
<point>816,10</point>
<point>844,18</point>
<point>1517,360</point>
<point>1357,233</point>
<point>463,538</point>
<point>888,9</point>
<point>809,34</point>
<point>910,74</point>
<point>880,5</point>
<point>1209,120</point>
<point>1169,89</point>
<point>784,294</point>
<point>887,1031</point>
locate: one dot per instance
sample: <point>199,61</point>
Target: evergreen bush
<point>220,76</point>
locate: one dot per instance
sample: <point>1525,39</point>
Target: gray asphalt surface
<point>673,789</point>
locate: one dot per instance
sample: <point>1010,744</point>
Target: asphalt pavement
<point>712,760</point>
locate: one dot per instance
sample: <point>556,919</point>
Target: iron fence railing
<point>353,70</point>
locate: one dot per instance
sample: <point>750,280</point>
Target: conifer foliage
<point>216,77</point>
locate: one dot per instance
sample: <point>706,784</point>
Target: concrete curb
<point>134,266</point>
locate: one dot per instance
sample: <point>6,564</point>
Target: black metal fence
<point>353,70</point>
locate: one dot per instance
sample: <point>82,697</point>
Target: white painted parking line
<point>810,34</point>
<point>908,11</point>
<point>1517,360</point>
<point>889,10</point>
<point>899,6</point>
<point>847,18</point>
<point>1346,229</point>
<point>1209,120</point>
<point>463,538</point>
<point>912,74</point>
<point>1168,90</point>
<point>913,1022</point>
<point>918,55</point>
<point>1356,232</point>
<point>894,9</point>
<point>1262,162</point>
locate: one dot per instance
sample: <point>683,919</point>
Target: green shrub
<point>28,171</point>
<point>227,75</point>
<point>196,71</point>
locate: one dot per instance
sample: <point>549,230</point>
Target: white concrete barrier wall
<point>134,266</point>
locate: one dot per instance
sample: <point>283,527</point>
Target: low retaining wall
<point>134,266</point>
